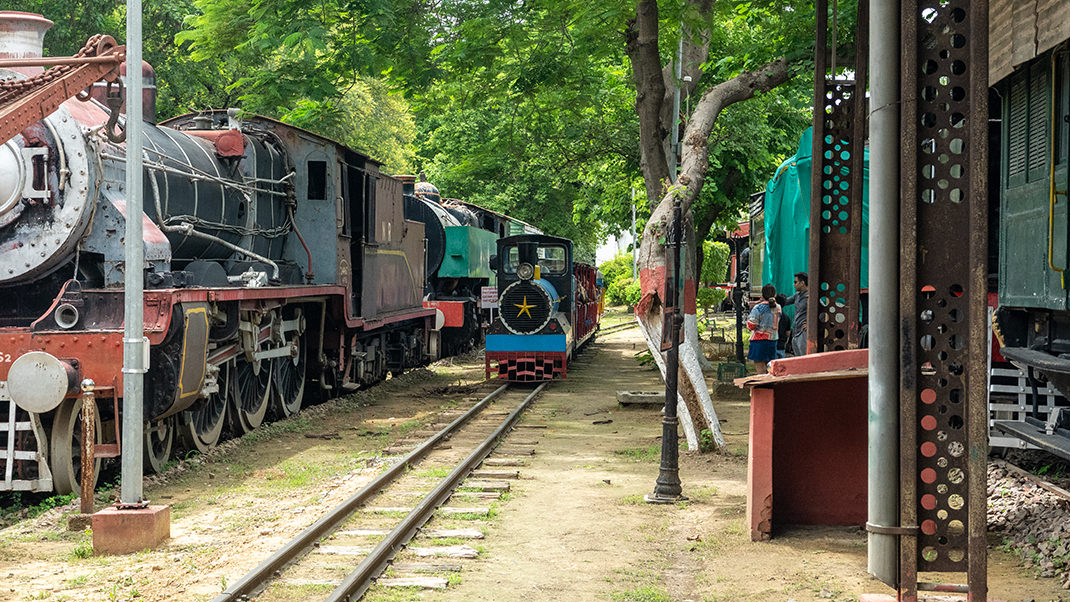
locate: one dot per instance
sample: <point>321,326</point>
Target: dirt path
<point>574,527</point>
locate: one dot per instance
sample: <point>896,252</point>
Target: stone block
<point>125,531</point>
<point>652,398</point>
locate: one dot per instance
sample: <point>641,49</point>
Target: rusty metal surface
<point>89,437</point>
<point>836,194</point>
<point>943,241</point>
<point>24,101</point>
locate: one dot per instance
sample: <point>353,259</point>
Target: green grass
<point>84,549</point>
<point>13,514</point>
<point>74,582</point>
<point>651,453</point>
<point>408,426</point>
<point>298,593</point>
<point>642,594</point>
<point>438,472</point>
<point>267,432</point>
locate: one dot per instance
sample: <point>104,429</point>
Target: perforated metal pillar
<point>836,188</point>
<point>943,240</point>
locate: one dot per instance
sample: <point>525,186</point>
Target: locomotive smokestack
<point>22,36</point>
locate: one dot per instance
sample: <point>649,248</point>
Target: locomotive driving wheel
<point>288,380</point>
<point>250,395</point>
<point>65,443</point>
<point>205,421</point>
<point>159,439</point>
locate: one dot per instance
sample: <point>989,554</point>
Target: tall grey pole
<point>883,487</point>
<point>134,346</point>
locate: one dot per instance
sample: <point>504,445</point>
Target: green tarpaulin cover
<point>787,220</point>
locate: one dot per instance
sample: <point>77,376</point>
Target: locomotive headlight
<point>525,271</point>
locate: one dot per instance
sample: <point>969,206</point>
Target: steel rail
<point>361,578</point>
<point>617,327</point>
<point>256,578</point>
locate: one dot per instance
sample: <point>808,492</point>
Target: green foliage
<point>523,108</point>
<point>368,117</point>
<point>709,298</point>
<point>715,260</point>
<point>632,293</point>
<point>620,288</point>
<point>617,291</point>
<point>617,268</point>
<point>705,441</point>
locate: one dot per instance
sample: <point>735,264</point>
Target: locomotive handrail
<point>59,60</point>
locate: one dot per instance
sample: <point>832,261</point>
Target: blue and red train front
<point>531,338</point>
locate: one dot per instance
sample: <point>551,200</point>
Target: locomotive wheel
<point>159,439</point>
<point>288,380</point>
<point>250,395</point>
<point>65,443</point>
<point>205,424</point>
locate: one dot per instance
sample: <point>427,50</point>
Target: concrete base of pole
<point>125,531</point>
<point>653,498</point>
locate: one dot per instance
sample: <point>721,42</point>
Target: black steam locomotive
<point>278,264</point>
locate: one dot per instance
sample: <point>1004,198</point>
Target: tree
<point>653,106</point>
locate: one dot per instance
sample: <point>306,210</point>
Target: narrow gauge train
<point>549,306</point>
<point>1031,155</point>
<point>278,262</point>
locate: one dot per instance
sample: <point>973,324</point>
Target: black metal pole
<point>667,489</point>
<point>737,301</point>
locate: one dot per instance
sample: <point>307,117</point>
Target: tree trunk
<point>692,383</point>
<point>642,47</point>
<point>691,284</point>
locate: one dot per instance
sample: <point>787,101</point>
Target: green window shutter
<point>1018,111</point>
<point>1038,117</point>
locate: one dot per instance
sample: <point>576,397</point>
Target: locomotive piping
<point>187,229</point>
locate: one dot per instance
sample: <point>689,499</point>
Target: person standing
<point>797,334</point>
<point>763,322</point>
<point>783,329</point>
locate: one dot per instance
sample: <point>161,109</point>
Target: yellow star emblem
<point>524,307</point>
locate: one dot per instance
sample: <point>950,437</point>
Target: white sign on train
<point>489,297</point>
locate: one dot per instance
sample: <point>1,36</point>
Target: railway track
<point>618,327</point>
<point>411,492</point>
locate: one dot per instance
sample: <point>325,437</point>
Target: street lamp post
<point>668,489</point>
